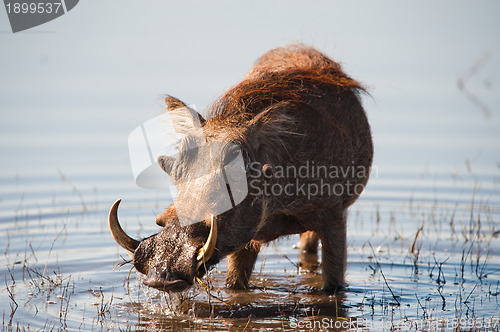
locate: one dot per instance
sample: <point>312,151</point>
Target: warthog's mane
<point>290,74</point>
<point>262,109</point>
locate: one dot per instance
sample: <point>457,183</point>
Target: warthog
<point>307,149</point>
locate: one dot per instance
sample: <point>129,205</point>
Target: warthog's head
<point>202,173</point>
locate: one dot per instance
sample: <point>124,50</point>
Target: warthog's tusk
<point>119,235</point>
<point>206,252</point>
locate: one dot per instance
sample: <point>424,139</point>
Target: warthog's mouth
<point>166,281</point>
<point>167,285</point>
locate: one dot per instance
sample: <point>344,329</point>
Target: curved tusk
<point>119,235</point>
<point>206,252</point>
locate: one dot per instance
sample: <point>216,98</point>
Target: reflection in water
<point>308,262</point>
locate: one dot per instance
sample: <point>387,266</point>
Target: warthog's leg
<point>308,242</point>
<point>240,265</point>
<point>334,251</point>
<point>308,256</point>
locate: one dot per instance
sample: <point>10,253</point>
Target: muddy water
<point>60,268</point>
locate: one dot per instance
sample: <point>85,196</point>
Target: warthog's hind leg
<point>308,256</point>
<point>334,252</point>
<point>308,242</point>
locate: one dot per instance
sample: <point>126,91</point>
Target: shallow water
<point>58,261</point>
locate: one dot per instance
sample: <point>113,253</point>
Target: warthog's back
<point>296,107</point>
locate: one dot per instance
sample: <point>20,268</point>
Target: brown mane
<point>293,74</point>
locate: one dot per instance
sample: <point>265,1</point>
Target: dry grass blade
<point>412,247</point>
<point>383,276</point>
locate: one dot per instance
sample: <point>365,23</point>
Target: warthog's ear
<point>166,163</point>
<point>173,103</point>
<point>183,115</point>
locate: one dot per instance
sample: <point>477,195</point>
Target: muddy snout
<point>165,266</point>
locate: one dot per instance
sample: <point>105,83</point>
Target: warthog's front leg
<point>240,265</point>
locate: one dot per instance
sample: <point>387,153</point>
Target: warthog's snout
<point>169,263</point>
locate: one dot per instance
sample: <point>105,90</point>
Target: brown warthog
<point>307,149</point>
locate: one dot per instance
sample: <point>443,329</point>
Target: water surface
<point>59,257</point>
